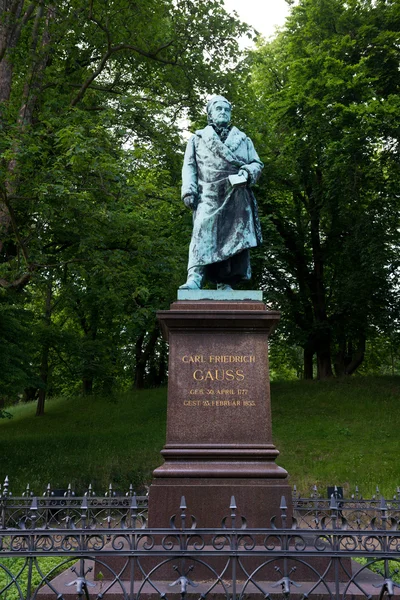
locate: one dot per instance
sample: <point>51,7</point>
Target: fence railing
<point>359,512</point>
<point>54,507</point>
<point>60,547</point>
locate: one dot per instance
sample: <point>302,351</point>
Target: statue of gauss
<point>219,168</point>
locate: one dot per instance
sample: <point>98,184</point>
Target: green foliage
<point>19,568</point>
<point>91,225</point>
<point>285,360</point>
<point>378,566</point>
<point>383,355</point>
<point>93,236</point>
<point>324,109</point>
<point>15,348</point>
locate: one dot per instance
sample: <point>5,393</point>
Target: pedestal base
<point>208,500</point>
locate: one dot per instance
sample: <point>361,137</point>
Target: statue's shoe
<point>191,284</point>
<point>224,287</point>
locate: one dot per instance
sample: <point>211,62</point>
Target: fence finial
<point>5,487</point>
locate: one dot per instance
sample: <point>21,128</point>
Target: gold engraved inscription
<point>218,375</point>
<point>222,403</point>
<point>232,359</point>
<point>222,358</point>
<point>223,368</point>
<point>193,359</point>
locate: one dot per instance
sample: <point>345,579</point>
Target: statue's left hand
<point>244,173</point>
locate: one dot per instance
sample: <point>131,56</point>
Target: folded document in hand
<point>237,180</point>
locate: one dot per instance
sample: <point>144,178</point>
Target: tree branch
<point>17,283</point>
<point>16,31</point>
<point>39,63</point>
<point>90,79</point>
<point>15,228</point>
<point>112,50</point>
<point>151,55</point>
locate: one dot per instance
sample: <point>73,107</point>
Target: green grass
<point>379,567</point>
<point>343,432</point>
<point>19,568</point>
<point>84,440</point>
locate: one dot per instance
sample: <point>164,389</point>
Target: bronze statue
<point>219,168</point>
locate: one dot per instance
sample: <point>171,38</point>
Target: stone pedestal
<point>219,439</point>
<point>219,435</point>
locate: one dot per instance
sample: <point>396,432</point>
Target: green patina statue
<point>219,168</point>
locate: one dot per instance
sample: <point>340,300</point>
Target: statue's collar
<point>222,132</point>
<point>225,149</point>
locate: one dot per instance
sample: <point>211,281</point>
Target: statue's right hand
<point>190,202</point>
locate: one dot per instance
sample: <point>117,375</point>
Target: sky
<point>263,15</point>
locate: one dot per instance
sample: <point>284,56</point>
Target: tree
<point>17,345</point>
<point>91,97</point>
<point>140,63</point>
<point>325,104</point>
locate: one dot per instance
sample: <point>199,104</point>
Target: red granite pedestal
<point>219,435</point>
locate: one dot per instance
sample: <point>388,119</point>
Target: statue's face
<point>221,113</point>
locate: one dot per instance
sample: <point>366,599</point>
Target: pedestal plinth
<point>219,435</point>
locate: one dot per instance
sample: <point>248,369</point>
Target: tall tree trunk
<point>358,356</point>
<point>142,355</point>
<point>10,11</point>
<point>347,360</point>
<point>308,372</point>
<point>340,357</point>
<point>324,363</point>
<point>90,325</point>
<point>44,372</point>
<point>87,385</point>
<point>138,382</point>
<point>162,364</point>
<point>10,30</point>
<point>324,352</point>
<point>44,365</point>
<point>323,336</point>
<point>87,375</point>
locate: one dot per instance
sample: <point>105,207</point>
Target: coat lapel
<point>223,150</point>
<point>234,139</point>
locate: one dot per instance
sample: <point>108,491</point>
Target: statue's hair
<point>214,100</point>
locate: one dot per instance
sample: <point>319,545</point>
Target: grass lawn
<point>343,432</point>
<point>84,440</point>
<point>20,567</point>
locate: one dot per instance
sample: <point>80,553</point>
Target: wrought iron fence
<point>60,547</point>
<point>359,512</point>
<point>57,508</point>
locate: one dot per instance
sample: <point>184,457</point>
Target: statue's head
<point>219,111</point>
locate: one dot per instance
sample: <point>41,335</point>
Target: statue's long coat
<point>225,222</point>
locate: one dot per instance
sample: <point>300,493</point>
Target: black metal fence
<point>65,546</point>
